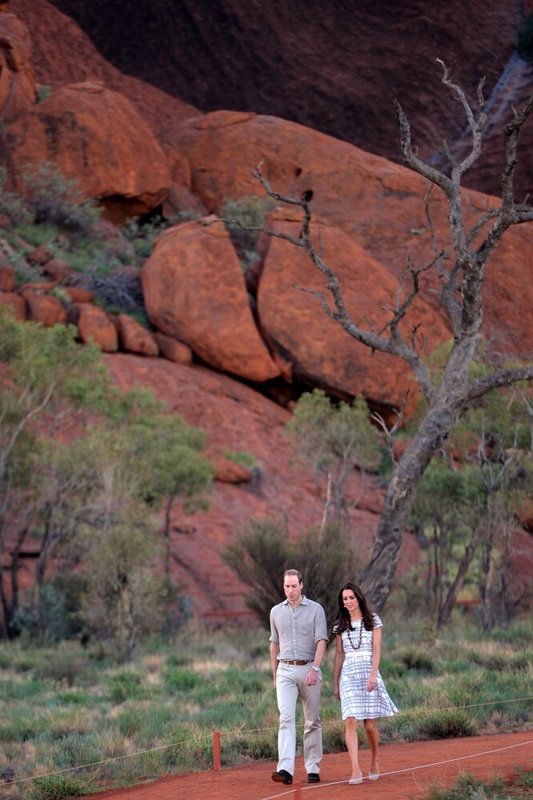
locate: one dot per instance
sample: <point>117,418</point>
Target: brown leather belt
<point>297,662</point>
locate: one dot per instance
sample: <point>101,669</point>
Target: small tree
<point>337,439</point>
<point>446,516</point>
<point>124,598</point>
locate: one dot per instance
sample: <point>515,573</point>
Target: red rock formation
<point>377,203</point>
<point>228,471</point>
<point>16,303</point>
<point>45,309</point>
<point>77,295</point>
<point>96,137</point>
<point>94,325</point>
<point>173,350</point>
<point>194,290</point>
<point>17,84</point>
<point>135,338</point>
<point>8,279</point>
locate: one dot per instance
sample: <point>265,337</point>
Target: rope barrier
<point>216,738</point>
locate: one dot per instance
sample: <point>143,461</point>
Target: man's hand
<point>312,678</point>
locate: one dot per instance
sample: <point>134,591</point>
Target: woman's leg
<point>350,737</point>
<point>372,737</point>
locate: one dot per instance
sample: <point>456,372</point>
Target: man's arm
<point>274,653</point>
<point>320,652</point>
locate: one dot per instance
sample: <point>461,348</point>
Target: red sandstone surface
<point>335,67</point>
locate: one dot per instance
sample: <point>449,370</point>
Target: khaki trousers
<point>290,682</point>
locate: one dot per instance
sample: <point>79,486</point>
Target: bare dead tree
<point>462,278</point>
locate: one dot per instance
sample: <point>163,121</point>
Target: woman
<point>356,679</point>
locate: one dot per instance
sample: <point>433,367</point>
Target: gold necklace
<point>353,646</point>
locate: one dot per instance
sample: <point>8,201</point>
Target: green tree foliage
<point>446,514</point>
<point>41,371</point>
<point>465,508</point>
<point>264,549</point>
<point>335,439</point>
<point>87,497</point>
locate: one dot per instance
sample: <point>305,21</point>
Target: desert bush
<point>57,787</point>
<point>179,679</point>
<point>65,664</point>
<point>241,457</point>
<point>467,787</point>
<point>143,234</point>
<point>11,203</point>
<point>262,551</point>
<point>125,685</point>
<point>54,198</point>
<point>43,92</point>
<point>244,219</point>
<point>445,725</point>
<point>120,290</point>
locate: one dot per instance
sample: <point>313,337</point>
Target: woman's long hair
<point>343,622</point>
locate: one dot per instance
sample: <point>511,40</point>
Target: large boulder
<point>380,205</point>
<point>96,137</point>
<point>321,353</point>
<point>95,326</point>
<point>17,84</point>
<point>194,290</point>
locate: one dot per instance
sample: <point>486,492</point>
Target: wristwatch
<point>316,669</point>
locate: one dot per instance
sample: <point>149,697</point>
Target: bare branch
<point>412,160</point>
<point>512,134</point>
<point>389,433</point>
<point>320,297</point>
<point>487,383</point>
<point>476,125</point>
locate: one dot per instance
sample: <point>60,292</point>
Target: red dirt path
<point>408,770</point>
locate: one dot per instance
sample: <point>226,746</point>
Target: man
<point>298,641</point>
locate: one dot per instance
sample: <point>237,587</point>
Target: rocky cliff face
<point>334,66</point>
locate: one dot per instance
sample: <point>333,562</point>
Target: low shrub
<point>126,685</point>
<point>54,198</point>
<point>445,725</point>
<point>244,219</point>
<point>57,787</point>
<point>178,679</point>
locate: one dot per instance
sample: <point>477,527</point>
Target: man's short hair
<point>293,572</point>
